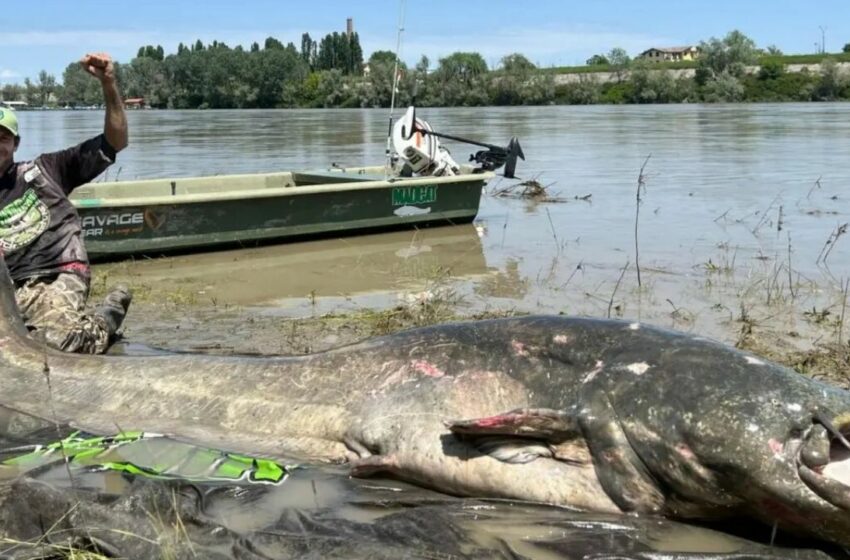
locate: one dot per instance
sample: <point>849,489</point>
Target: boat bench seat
<point>325,177</point>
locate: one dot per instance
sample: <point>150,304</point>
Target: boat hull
<point>179,215</point>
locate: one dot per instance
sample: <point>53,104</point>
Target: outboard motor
<point>420,152</point>
<point>418,148</point>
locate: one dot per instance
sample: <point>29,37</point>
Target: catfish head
<point>694,429</point>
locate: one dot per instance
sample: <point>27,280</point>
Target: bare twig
<point>815,186</point>
<point>641,186</point>
<point>722,216</point>
<point>579,266</point>
<point>552,226</point>
<point>66,460</point>
<point>843,311</point>
<point>616,287</point>
<point>764,215</point>
<point>790,279</point>
<point>830,243</point>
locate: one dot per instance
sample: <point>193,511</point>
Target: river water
<point>741,205</point>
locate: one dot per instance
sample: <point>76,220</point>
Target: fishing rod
<point>490,159</point>
<point>395,87</point>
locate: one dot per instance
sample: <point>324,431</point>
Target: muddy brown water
<point>737,229</point>
<point>740,207</point>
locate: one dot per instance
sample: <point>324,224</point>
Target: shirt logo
<point>22,221</point>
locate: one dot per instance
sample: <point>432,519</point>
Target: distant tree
<point>342,46</point>
<point>355,54</point>
<point>650,85</point>
<point>519,83</point>
<point>421,81</point>
<point>729,55</point>
<point>199,45</point>
<point>771,70</point>
<point>145,77</point>
<point>723,88</point>
<point>773,50</point>
<point>154,53</point>
<point>308,50</point>
<point>382,57</point>
<point>618,56</point>
<point>272,43</point>
<point>255,47</point>
<point>517,64</point>
<point>30,91</point>
<point>79,88</point>
<point>831,81</point>
<point>846,48</point>
<point>46,86</point>
<point>584,91</point>
<point>325,57</point>
<point>463,67</point>
<point>11,92</point>
<point>596,60</point>
<point>423,65</point>
<point>337,52</point>
<point>461,78</point>
<point>619,61</point>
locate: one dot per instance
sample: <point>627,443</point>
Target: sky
<point>49,34</point>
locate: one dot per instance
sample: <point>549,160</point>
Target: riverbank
<point>818,352</point>
<point>277,77</point>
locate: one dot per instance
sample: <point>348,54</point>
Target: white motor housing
<point>421,151</point>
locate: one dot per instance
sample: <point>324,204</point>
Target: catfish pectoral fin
<point>540,423</point>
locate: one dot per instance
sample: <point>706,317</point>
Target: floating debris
<point>531,189</point>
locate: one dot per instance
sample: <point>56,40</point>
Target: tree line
<point>331,72</point>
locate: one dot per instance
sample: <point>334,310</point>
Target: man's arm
<point>100,66</point>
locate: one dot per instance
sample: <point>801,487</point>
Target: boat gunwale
<point>266,192</point>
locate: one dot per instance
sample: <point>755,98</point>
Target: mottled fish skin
<point>592,414</point>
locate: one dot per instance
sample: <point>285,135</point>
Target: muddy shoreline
<point>237,330</point>
<point>186,319</point>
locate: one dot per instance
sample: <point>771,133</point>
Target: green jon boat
<point>157,216</point>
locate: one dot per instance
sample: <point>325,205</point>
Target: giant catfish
<point>598,415</point>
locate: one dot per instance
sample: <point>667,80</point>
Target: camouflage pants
<point>53,308</point>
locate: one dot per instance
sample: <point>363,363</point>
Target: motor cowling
<point>420,151</point>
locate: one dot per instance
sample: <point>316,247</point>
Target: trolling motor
<point>416,144</point>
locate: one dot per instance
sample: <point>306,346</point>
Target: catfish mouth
<point>824,462</point>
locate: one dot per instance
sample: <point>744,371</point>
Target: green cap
<point>9,120</point>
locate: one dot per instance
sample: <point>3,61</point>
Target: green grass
<point>783,59</point>
<point>805,58</point>
<point>608,68</point>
